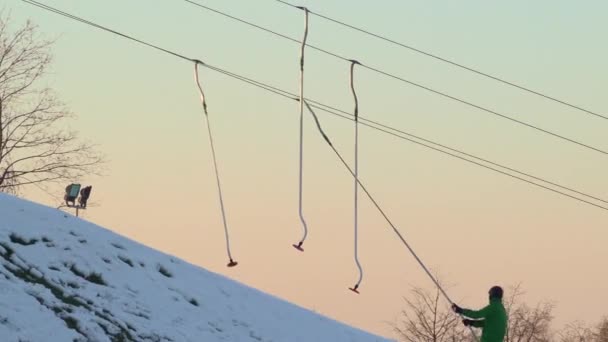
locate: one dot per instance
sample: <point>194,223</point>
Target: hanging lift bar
<point>231,263</point>
<point>298,246</point>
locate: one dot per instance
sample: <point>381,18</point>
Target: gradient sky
<point>475,227</point>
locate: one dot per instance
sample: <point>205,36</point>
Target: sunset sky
<point>474,227</point>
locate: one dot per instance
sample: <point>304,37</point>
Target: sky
<point>474,227</point>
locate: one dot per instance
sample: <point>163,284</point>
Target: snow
<point>65,279</point>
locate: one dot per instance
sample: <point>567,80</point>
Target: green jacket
<point>492,319</point>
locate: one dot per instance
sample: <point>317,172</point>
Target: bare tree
<point>35,147</point>
<point>425,320</point>
<point>581,332</point>
<point>576,332</point>
<point>527,324</point>
<point>601,334</point>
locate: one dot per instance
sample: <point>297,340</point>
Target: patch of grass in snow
<point>114,338</point>
<point>26,275</point>
<point>155,338</point>
<point>123,336</point>
<point>193,302</point>
<point>117,246</point>
<point>125,260</point>
<point>104,328</point>
<point>96,278</point>
<point>76,271</point>
<point>93,277</point>
<point>164,271</point>
<point>82,241</point>
<point>253,335</point>
<point>215,326</point>
<point>9,251</point>
<point>18,239</point>
<point>72,300</point>
<point>39,299</point>
<point>72,323</point>
<point>106,260</point>
<point>49,243</point>
<point>142,315</point>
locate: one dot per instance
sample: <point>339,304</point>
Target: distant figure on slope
<point>492,319</point>
<point>84,196</point>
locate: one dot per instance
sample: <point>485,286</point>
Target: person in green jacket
<point>492,319</point>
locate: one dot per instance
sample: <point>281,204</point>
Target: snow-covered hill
<point>64,279</point>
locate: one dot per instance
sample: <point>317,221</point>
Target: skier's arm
<point>478,324</point>
<point>474,323</point>
<point>477,314</point>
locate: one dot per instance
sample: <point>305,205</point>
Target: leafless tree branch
<point>34,148</point>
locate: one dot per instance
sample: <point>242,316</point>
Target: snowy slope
<point>64,279</point>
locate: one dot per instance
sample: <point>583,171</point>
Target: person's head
<point>495,292</point>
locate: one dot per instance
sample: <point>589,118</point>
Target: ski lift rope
<point>356,112</point>
<point>231,263</point>
<point>386,218</point>
<point>358,183</point>
<point>300,211</point>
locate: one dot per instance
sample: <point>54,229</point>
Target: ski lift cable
<point>449,61</point>
<point>407,81</point>
<point>356,115</point>
<point>425,143</point>
<point>231,263</point>
<point>485,160</point>
<point>379,208</point>
<point>298,246</point>
<point>438,147</point>
<point>87,22</point>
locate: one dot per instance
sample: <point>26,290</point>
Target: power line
<point>399,134</point>
<point>57,11</point>
<point>408,137</point>
<point>346,115</point>
<point>402,79</point>
<point>449,61</point>
<point>452,149</point>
